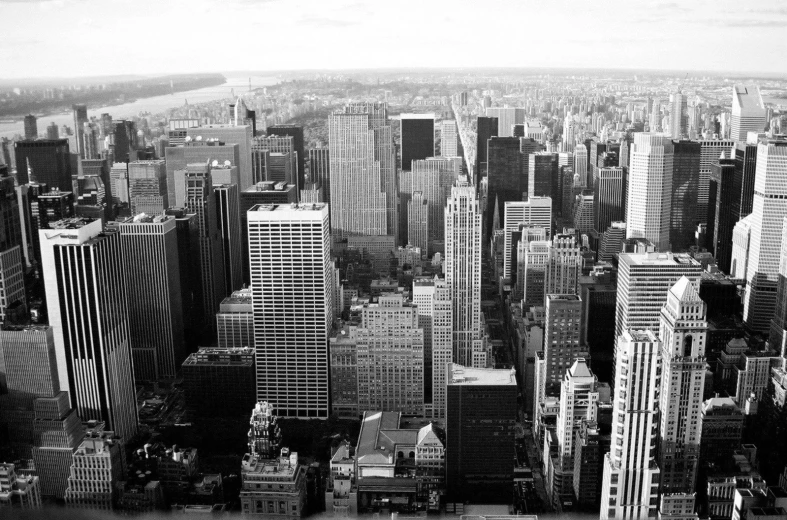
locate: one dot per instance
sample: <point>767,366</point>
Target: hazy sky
<point>96,37</point>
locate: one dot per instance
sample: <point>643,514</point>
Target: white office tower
<point>432,298</point>
<point>507,117</point>
<point>630,486</point>
<point>578,402</point>
<point>655,117</point>
<point>768,210</point>
<point>643,282</point>
<point>433,177</point>
<point>292,302</point>
<point>677,115</point>
<point>364,192</point>
<point>449,137</point>
<point>462,267</point>
<point>649,207</point>
<point>683,334</point>
<point>84,281</point>
<point>564,265</point>
<point>534,212</point>
<point>418,222</point>
<point>569,134</point>
<point>581,165</point>
<point>748,112</point>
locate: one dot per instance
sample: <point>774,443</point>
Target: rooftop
<point>460,375</point>
<point>660,259</point>
<point>317,206</point>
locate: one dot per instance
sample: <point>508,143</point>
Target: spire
<point>496,218</point>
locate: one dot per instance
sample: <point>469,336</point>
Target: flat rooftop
<point>317,206</point>
<point>460,375</point>
<point>660,259</point>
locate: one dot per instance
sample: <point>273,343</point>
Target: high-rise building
<point>685,192</point>
<point>118,180</point>
<point>631,476</point>
<point>12,279</point>
<point>643,282</point>
<point>649,208</point>
<point>18,490</point>
<point>562,340</point>
<point>45,161</point>
<point>292,299</point>
<point>296,132</point>
<point>194,317</point>
<point>778,326</point>
<point>228,214</point>
<point>432,298</point>
<point>581,165</point>
<point>52,131</point>
<point>320,170</point>
<point>683,335</point>
<point>388,335</point>
<point>532,261</point>
<point>434,177</point>
<point>583,212</point>
<point>95,472</point>
<point>231,135</point>
<point>418,222</point>
<point>417,138</point>
<point>220,382</point>
<point>147,187</point>
<point>31,127</point>
<point>745,172</point>
<point>58,432</point>
<point>480,426</point>
<point>123,140</point>
<point>769,209</point>
<point>506,177</point>
<point>449,138</point>
<point>155,320</point>
<point>201,201</point>
<point>710,150</point>
<point>506,119</point>
<point>201,151</point>
<point>84,280</point>
<point>542,178</point>
<point>748,112</point>
<point>678,118</point>
<point>534,212</point>
<point>722,428</point>
<point>486,129</point>
<point>723,207</point>
<point>462,269</point>
<point>364,192</point>
<point>609,195</point>
<point>563,266</point>
<point>80,118</point>
<point>235,320</point>
<point>275,158</point>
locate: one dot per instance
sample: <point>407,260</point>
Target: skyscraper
<point>449,138</point>
<point>364,188</point>
<point>643,282</point>
<point>320,170</point>
<point>683,335</point>
<point>778,332</point>
<point>435,177</point>
<point>486,129</point>
<point>724,203</point>
<point>31,127</point>
<point>562,339</point>
<point>677,115</point>
<point>152,267</point>
<point>46,161</point>
<point>417,138</point>
<point>685,194</point>
<point>581,164</point>
<point>609,194</point>
<point>534,212</point>
<point>235,321</point>
<point>80,118</point>
<point>710,150</point>
<point>649,208</point>
<point>201,200</point>
<point>418,222</point>
<point>292,298</point>
<point>462,269</point>
<point>631,475</point>
<point>542,177</point>
<point>296,132</point>
<point>768,211</point>
<point>532,258</point>
<point>506,177</point>
<point>12,281</point>
<point>228,214</point>
<point>432,297</point>
<point>275,158</point>
<point>563,266</point>
<point>745,172</point>
<point>84,280</point>
<point>506,117</point>
<point>229,134</point>
<point>748,112</point>
<point>147,187</point>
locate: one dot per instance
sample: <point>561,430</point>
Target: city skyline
<point>653,34</point>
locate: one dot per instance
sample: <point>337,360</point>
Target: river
<point>154,105</point>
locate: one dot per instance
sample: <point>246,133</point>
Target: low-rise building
<point>341,493</point>
<point>273,487</point>
<point>18,490</point>
<point>95,471</point>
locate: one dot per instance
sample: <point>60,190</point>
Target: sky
<point>72,38</point>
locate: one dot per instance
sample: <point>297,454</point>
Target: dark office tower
<point>201,200</point>
<point>152,268</point>
<point>58,432</point>
<point>85,284</point>
<point>52,131</point>
<point>745,170</point>
<point>506,177</point>
<point>228,212</point>
<point>722,210</point>
<point>481,421</point>
<point>124,140</point>
<point>320,171</point>
<point>528,145</point>
<point>518,130</point>
<point>31,127</point>
<point>685,186</point>
<point>274,158</point>
<point>220,382</point>
<point>12,278</point>
<point>296,132</point>
<point>80,118</point>
<point>543,178</point>
<point>597,149</point>
<point>194,317</point>
<point>417,138</point>
<point>147,187</point>
<point>677,115</point>
<point>487,128</point>
<point>43,161</point>
<point>609,193</point>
